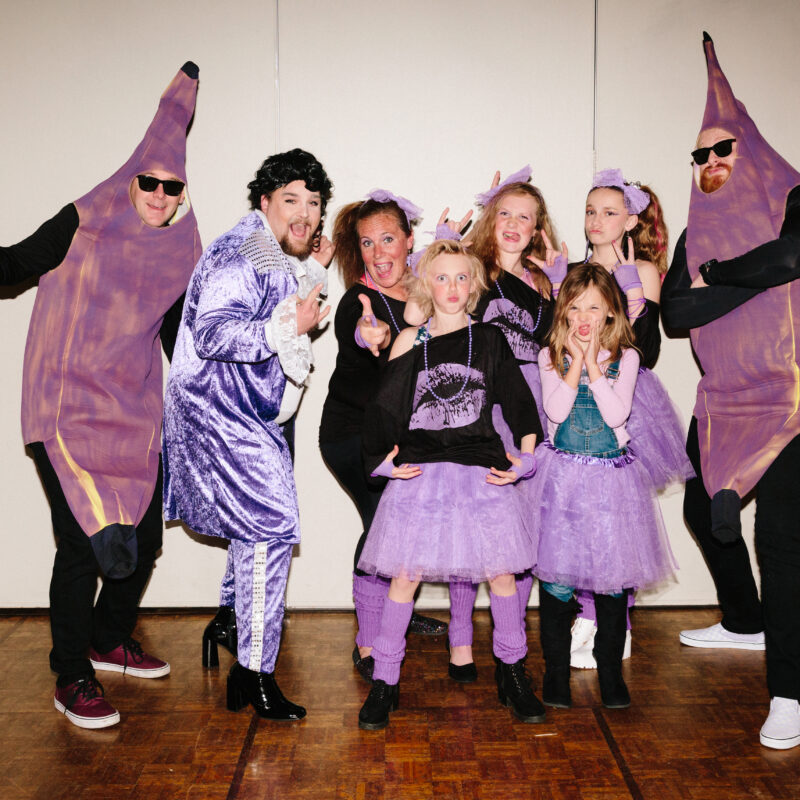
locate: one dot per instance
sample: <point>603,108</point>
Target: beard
<point>710,183</point>
<point>292,247</point>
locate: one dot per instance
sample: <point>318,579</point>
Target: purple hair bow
<point>441,232</point>
<point>520,176</point>
<point>411,211</point>
<point>636,200</point>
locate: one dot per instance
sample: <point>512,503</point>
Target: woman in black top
<point>373,239</point>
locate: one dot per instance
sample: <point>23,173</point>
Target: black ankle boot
<point>364,666</point>
<point>514,690</point>
<point>609,642</point>
<point>461,673</point>
<point>259,690</point>
<point>555,619</point>
<point>381,699</point>
<point>426,626</point>
<point>221,630</point>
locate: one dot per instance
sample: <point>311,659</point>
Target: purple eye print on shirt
<point>432,414</point>
<point>516,324</point>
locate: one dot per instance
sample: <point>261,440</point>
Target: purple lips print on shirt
<point>433,414</point>
<point>516,324</point>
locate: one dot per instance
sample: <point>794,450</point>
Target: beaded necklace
<point>369,282</point>
<point>532,330</point>
<point>469,359</point>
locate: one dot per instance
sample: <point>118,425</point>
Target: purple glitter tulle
<point>600,527</point>
<point>658,437</point>
<point>448,523</point>
<point>411,211</point>
<point>531,374</point>
<point>520,176</point>
<point>636,200</point>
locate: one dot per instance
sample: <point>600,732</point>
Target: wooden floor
<point>692,731</point>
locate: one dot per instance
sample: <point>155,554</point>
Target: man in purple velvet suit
<point>242,351</point>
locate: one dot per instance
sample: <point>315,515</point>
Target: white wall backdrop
<point>427,99</point>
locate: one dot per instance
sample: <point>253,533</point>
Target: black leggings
<point>76,621</point>
<point>345,461</point>
<point>777,541</point>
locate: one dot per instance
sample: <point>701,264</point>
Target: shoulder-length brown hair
<point>616,335</point>
<point>484,244</point>
<point>345,235</point>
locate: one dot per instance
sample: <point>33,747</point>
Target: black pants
<point>76,621</point>
<point>777,540</point>
<point>345,461</point>
<point>729,564</point>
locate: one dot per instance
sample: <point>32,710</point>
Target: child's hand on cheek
<point>574,347</point>
<point>593,345</point>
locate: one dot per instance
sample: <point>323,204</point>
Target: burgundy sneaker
<point>83,704</point>
<point>130,659</point>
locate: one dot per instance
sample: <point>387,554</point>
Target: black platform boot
<point>609,642</point>
<point>514,690</point>
<point>260,690</point>
<point>221,630</point>
<point>381,699</point>
<point>555,619</point>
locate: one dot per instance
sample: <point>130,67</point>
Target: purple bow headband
<point>411,211</point>
<point>520,176</point>
<point>636,200</point>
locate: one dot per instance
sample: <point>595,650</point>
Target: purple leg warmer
<point>524,586</point>
<point>508,642</point>
<point>390,645</point>
<point>227,590</point>
<point>369,594</point>
<point>462,600</point>
<point>586,599</point>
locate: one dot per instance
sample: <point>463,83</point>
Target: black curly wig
<point>283,168</point>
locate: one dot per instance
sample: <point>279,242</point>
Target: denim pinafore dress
<point>585,432</point>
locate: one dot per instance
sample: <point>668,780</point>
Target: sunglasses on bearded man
<point>702,154</point>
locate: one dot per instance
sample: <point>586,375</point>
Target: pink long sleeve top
<point>613,398</point>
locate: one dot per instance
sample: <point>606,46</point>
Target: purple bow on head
<point>636,200</point>
<point>411,211</point>
<point>520,176</point>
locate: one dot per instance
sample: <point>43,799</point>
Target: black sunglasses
<point>147,183</point>
<point>700,156</point>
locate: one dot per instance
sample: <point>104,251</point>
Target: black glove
<point>115,550</point>
<point>726,522</point>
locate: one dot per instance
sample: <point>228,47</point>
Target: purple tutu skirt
<point>531,374</point>
<point>599,524</point>
<point>658,438</point>
<point>448,524</point>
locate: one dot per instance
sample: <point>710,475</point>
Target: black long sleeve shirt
<point>735,281</point>
<point>47,247</point>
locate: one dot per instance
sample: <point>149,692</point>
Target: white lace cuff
<point>316,273</point>
<point>293,351</point>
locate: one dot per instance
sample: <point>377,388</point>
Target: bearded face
<point>716,170</point>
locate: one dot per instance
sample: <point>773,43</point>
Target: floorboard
<point>692,731</point>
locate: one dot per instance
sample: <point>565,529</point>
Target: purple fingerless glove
<point>627,277</point>
<point>383,470</point>
<point>444,231</point>
<point>526,468</point>
<point>360,339</point>
<point>558,271</point>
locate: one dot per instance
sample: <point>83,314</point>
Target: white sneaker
<point>583,658</point>
<point>717,636</point>
<point>583,631</point>
<point>781,731</point>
